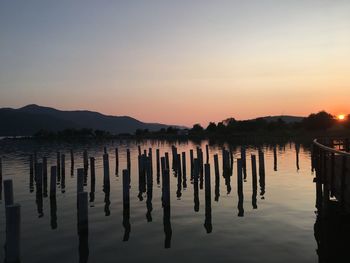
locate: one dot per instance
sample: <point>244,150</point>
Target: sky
<point>177,62</point>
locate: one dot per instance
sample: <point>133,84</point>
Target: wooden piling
<point>191,163</point>
<point>167,161</point>
<point>53,181</point>
<point>207,152</point>
<point>13,233</point>
<point>262,173</point>
<point>126,189</point>
<point>106,180</point>
<point>184,169</point>
<point>86,162</point>
<point>128,162</point>
<point>58,165</point>
<point>45,177</point>
<point>254,182</point>
<point>217,177</point>
<point>158,166</point>
<point>274,158</point>
<point>208,222</point>
<point>63,173</point>
<point>166,196</point>
<point>116,161</point>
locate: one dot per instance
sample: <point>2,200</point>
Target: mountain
<point>285,118</point>
<point>31,118</point>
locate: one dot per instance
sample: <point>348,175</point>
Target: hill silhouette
<point>32,118</point>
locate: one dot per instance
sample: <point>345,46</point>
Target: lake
<point>279,229</point>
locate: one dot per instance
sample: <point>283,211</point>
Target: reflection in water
<point>240,188</point>
<point>146,186</point>
<point>274,158</point>
<point>63,173</point>
<point>39,189</point>
<point>45,177</point>
<point>262,174</point>
<point>332,231</point>
<point>297,150</point>
<point>31,174</point>
<point>126,204</point>
<point>207,223</point>
<point>254,182</point>
<point>195,185</point>
<point>53,212</point>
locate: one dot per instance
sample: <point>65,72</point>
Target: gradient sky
<point>178,62</point>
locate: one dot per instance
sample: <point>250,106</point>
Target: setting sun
<point>341,117</point>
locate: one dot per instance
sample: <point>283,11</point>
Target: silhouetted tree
<point>197,128</point>
<point>211,127</point>
<point>319,121</point>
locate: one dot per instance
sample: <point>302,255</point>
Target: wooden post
<point>126,189</point>
<point>45,176</point>
<point>106,181</point>
<point>72,159</point>
<point>8,192</point>
<point>191,162</point>
<point>184,169</point>
<point>53,179</point>
<point>150,156</point>
<point>31,165</point>
<point>58,165</point>
<point>128,163</point>
<point>254,182</point>
<point>261,173</point>
<point>179,176</point>
<point>93,180</point>
<point>217,177</point>
<point>158,166</point>
<point>116,161</point>
<point>13,233</point>
<point>240,188</point>
<point>207,152</point>
<point>0,179</point>
<point>274,158</point>
<point>63,172</point>
<point>86,162</point>
<point>167,161</point>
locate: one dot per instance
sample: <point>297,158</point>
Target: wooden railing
<point>331,161</point>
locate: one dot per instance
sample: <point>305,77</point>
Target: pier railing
<point>331,161</point>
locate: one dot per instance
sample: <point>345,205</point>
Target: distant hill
<point>285,118</point>
<point>31,118</point>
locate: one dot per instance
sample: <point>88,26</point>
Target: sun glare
<point>341,117</point>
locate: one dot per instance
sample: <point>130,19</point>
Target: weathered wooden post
<point>150,156</point>
<point>63,179</point>
<point>39,189</point>
<point>274,158</point>
<point>179,176</point>
<point>244,162</point>
<point>106,182</point>
<point>86,162</point>
<point>166,196</point>
<point>184,172</point>
<point>80,180</point>
<point>240,188</point>
<point>254,182</point>
<point>158,166</point>
<point>116,161</point>
<point>92,181</point>
<point>8,192</point>
<point>217,178</point>
<point>207,152</point>
<point>128,163</point>
<point>149,181</point>
<point>13,233</point>
<point>261,173</point>
<point>207,223</point>
<point>53,181</point>
<point>167,161</point>
<point>191,162</point>
<point>126,189</point>
<point>58,165</point>
<point>45,177</point>
<point>72,161</point>
<point>31,165</point>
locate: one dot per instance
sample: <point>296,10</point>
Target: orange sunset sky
<point>177,62</point>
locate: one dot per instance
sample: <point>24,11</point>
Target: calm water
<point>281,229</point>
